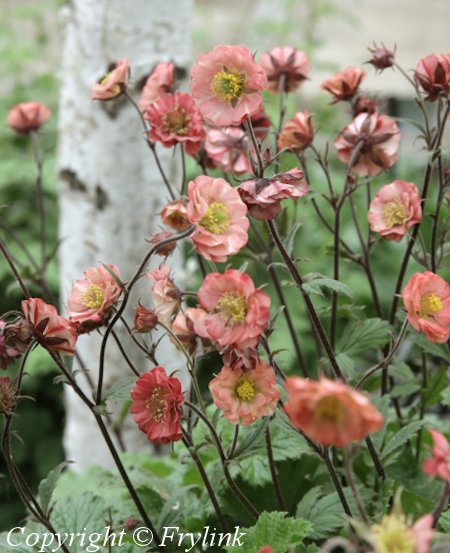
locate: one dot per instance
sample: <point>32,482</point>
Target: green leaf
<point>440,350</point>
<point>250,438</point>
<point>318,284</point>
<point>325,513</point>
<point>445,396</point>
<point>120,390</point>
<point>48,485</point>
<point>362,335</point>
<point>400,437</point>
<point>276,530</point>
<point>290,238</point>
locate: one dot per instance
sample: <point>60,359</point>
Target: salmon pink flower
<point>395,209</point>
<point>237,311</point>
<point>7,353</point>
<point>330,412</point>
<point>439,464</point>
<point>174,215</point>
<point>226,83</point>
<point>395,531</point>
<point>114,83</point>
<point>93,296</point>
<point>227,147</point>
<point>219,216</point>
<point>427,301</point>
<point>160,81</point>
<point>286,68</point>
<point>263,196</point>
<point>433,75</point>
<point>174,119</point>
<point>157,401</point>
<point>166,296</point>
<point>378,138</point>
<point>266,549</point>
<point>298,133</point>
<point>28,116</point>
<point>245,396</point>
<point>344,85</point>
<point>183,327</point>
<point>51,330</point>
<point>145,320</point>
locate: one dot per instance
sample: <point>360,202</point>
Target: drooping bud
<point>174,215</point>
<point>145,319</point>
<point>164,249</point>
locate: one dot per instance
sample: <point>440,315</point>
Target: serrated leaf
<point>362,335</point>
<point>400,437</point>
<point>317,286</point>
<point>48,485</point>
<point>120,390</point>
<point>250,438</point>
<point>439,350</point>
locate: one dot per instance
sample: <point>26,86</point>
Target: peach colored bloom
<point>219,216</point>
<point>114,83</point>
<point>427,301</point>
<point>174,119</point>
<point>92,297</point>
<point>286,67</point>
<point>237,311</point>
<point>433,75</point>
<point>263,196</point>
<point>166,296</point>
<point>174,215</point>
<point>226,83</point>
<point>160,81</point>
<point>330,412</point>
<point>344,85</point>
<point>7,354</point>
<point>157,401</point>
<point>245,396</point>
<point>54,332</point>
<point>396,530</point>
<point>227,147</point>
<point>28,116</point>
<point>145,320</point>
<point>395,209</point>
<point>298,133</point>
<point>183,327</point>
<point>379,136</point>
<point>439,464</point>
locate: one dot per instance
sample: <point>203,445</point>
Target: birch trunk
<point>110,187</point>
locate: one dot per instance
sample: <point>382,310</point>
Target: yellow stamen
<point>429,305</point>
<point>156,406</point>
<point>393,536</point>
<point>228,85</point>
<point>245,390</point>
<point>93,297</point>
<point>216,219</point>
<point>330,409</point>
<point>233,307</point>
<point>394,213</point>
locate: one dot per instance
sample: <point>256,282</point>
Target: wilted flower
<point>330,412</point>
<point>7,353</point>
<point>28,116</point>
<point>17,335</point>
<point>160,81</point>
<point>245,395</point>
<point>114,83</point>
<point>287,66</point>
<point>245,358</point>
<point>237,311</point>
<point>298,133</point>
<point>166,296</point>
<point>376,136</point>
<point>145,319</point>
<point>227,147</point>
<point>226,83</point>
<point>263,196</point>
<point>439,464</point>
<point>433,75</point>
<point>219,216</point>
<point>395,209</point>
<point>157,401</point>
<point>183,326</point>
<point>165,249</point>
<point>382,58</point>
<point>8,395</point>
<point>427,301</point>
<point>174,215</point>
<point>365,104</point>
<point>344,85</point>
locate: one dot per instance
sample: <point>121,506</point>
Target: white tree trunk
<point>110,188</point>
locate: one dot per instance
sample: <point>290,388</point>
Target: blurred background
<point>334,33</point>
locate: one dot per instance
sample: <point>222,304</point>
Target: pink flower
<point>7,354</point>
<point>237,311</point>
<point>28,116</point>
<point>395,209</point>
<point>245,396</point>
<point>395,529</point>
<point>298,133</point>
<point>157,401</point>
<point>160,81</point>
<point>219,216</point>
<point>330,412</point>
<point>227,147</point>
<point>344,85</point>
<point>433,75</point>
<point>226,83</point>
<point>174,215</point>
<point>263,196</point>
<point>183,327</point>
<point>145,320</point>
<point>114,83</point>
<point>439,464</point>
<point>427,301</point>
<point>379,136</point>
<point>54,332</point>
<point>286,67</point>
<point>166,296</point>
<point>266,549</point>
<point>92,297</point>
<point>174,119</point>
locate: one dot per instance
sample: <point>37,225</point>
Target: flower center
<point>393,536</point>
<point>394,213</point>
<point>233,307</point>
<point>93,297</point>
<point>216,219</point>
<point>329,409</point>
<point>228,85</point>
<point>156,406</point>
<point>430,304</point>
<point>177,122</point>
<point>245,390</point>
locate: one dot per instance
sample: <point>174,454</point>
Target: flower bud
<point>28,116</point>
<point>174,215</point>
<point>164,249</point>
<point>382,58</point>
<point>145,319</point>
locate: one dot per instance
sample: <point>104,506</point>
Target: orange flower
<point>298,133</point>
